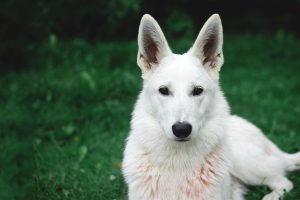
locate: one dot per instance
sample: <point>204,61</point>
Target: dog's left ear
<point>208,45</point>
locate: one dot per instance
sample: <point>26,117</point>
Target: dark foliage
<point>25,23</point>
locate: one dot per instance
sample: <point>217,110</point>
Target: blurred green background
<point>69,81</point>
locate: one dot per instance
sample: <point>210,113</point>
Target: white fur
<point>223,153</point>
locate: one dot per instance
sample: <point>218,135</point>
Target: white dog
<point>183,143</point>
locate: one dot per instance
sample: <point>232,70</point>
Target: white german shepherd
<point>183,143</point>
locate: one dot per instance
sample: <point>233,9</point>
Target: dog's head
<point>180,88</point>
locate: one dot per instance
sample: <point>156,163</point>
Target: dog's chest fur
<point>151,181</point>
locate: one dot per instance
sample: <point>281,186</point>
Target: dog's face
<point>180,88</point>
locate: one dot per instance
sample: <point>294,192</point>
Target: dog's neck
<point>181,156</point>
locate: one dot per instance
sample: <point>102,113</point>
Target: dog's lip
<point>182,139</point>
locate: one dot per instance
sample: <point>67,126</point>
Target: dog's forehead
<point>182,68</point>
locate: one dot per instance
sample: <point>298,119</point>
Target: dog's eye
<point>164,91</point>
<point>197,91</point>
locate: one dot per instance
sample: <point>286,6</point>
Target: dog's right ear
<point>152,44</point>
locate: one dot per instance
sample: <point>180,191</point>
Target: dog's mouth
<point>182,139</point>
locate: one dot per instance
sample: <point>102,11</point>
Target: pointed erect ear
<point>208,45</point>
<point>152,44</point>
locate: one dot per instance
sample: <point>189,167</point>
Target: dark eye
<point>197,91</point>
<point>164,91</point>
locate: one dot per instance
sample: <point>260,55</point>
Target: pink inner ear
<point>210,48</point>
<point>151,50</point>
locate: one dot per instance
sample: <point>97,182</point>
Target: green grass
<point>64,119</point>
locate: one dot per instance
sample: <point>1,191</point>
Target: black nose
<point>182,129</point>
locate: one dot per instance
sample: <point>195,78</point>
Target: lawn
<point>64,119</point>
